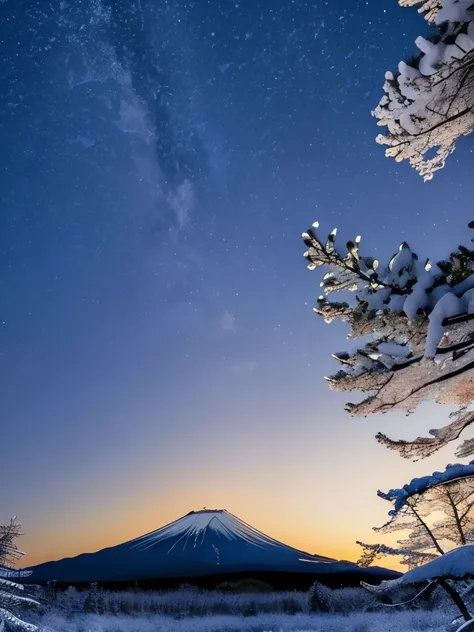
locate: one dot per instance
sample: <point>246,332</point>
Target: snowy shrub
<point>250,609</point>
<point>72,600</point>
<point>348,600</point>
<point>290,605</point>
<point>319,598</point>
<point>339,600</point>
<point>179,603</point>
<point>95,601</point>
<point>386,621</point>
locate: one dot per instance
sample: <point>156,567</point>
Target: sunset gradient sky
<point>158,350</point>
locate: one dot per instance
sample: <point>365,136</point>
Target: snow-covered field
<point>391,621</point>
<point>193,611</point>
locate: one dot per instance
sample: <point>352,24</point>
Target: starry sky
<point>158,350</point>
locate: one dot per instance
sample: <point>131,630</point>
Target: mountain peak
<point>192,528</point>
<point>206,510</point>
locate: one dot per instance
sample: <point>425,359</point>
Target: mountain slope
<point>200,544</point>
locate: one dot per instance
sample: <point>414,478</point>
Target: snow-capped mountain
<point>202,543</point>
<point>201,528</point>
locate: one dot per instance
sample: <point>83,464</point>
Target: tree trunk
<point>456,517</point>
<point>428,530</point>
<point>456,597</point>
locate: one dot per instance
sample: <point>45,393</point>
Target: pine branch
<point>465,449</point>
<point>411,558</point>
<point>423,447</point>
<point>346,272</point>
<point>420,347</point>
<point>15,624</point>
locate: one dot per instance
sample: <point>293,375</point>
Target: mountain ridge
<point>204,543</point>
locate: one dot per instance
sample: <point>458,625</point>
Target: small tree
<point>319,598</point>
<point>12,602</point>
<point>438,513</point>
<point>429,103</point>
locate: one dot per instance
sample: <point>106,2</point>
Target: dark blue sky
<point>158,351</point>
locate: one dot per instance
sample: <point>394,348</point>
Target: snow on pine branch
<point>373,552</point>
<point>457,564</point>
<point>433,514</point>
<point>400,497</point>
<point>420,320</point>
<point>430,8</point>
<point>429,103</point>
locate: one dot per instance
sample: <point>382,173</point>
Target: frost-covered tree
<point>437,511</point>
<point>319,598</point>
<point>419,318</point>
<point>12,601</point>
<point>429,103</point>
<point>457,566</point>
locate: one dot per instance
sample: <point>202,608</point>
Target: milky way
<point>159,161</point>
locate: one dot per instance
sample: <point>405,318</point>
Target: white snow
<point>412,104</point>
<point>419,297</point>
<point>192,528</point>
<point>388,620</point>
<point>448,305</point>
<point>402,260</point>
<point>464,286</point>
<point>454,11</point>
<point>456,564</point>
<point>397,302</point>
<point>392,349</point>
<point>399,497</point>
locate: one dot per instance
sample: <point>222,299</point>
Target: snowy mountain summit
<point>198,528</point>
<point>206,543</point>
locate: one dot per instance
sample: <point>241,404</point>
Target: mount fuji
<point>205,543</point>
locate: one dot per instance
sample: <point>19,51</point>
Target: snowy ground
<point>390,621</point>
<point>211,611</point>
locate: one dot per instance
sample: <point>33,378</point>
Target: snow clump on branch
<point>420,318</point>
<point>429,103</point>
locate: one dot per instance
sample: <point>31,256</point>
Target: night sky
<point>158,350</point>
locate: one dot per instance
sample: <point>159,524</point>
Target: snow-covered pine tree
<point>429,103</point>
<point>438,513</point>
<point>319,598</point>
<point>12,601</point>
<point>419,316</point>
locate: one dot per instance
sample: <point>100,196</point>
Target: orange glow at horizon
<point>71,543</point>
<point>311,501</point>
